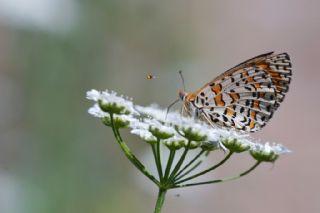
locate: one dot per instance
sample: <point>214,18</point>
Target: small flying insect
<point>150,76</point>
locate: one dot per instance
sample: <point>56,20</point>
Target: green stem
<point>155,153</point>
<point>160,200</point>
<point>178,165</point>
<point>189,164</point>
<point>221,180</point>
<point>169,163</point>
<point>159,160</point>
<point>129,154</point>
<point>194,167</point>
<point>207,170</point>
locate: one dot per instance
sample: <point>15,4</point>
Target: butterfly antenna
<point>169,107</point>
<point>180,73</point>
<point>176,101</point>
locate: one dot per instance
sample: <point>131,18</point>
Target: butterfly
<point>245,96</point>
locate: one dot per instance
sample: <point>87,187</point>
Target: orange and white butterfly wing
<point>246,96</point>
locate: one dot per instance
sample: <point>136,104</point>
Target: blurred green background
<point>55,157</point>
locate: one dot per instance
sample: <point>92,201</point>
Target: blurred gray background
<point>55,157</point>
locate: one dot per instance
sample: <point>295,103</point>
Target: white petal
<point>93,95</point>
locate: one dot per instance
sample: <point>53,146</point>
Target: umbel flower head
<point>152,124</point>
<point>179,135</point>
<point>267,152</point>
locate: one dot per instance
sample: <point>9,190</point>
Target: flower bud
<point>210,145</point>
<point>113,108</point>
<point>173,145</point>
<point>175,142</point>
<point>161,133</point>
<point>193,144</point>
<point>235,145</point>
<point>264,153</point>
<point>119,122</point>
<point>191,134</point>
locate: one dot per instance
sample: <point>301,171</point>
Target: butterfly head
<point>186,96</point>
<point>182,95</point>
<point>187,99</point>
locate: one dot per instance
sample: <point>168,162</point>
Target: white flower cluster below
<point>143,119</point>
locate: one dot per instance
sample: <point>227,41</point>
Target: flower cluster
<point>153,124</point>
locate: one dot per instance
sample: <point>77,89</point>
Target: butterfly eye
<point>182,95</point>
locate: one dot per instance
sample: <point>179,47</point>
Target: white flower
<point>266,152</point>
<point>152,111</point>
<point>280,149</point>
<point>178,138</point>
<point>141,129</point>
<point>273,148</point>
<point>144,134</point>
<point>138,124</point>
<point>93,95</point>
<point>111,102</point>
<point>176,142</point>
<point>107,97</point>
<point>155,125</point>
<point>152,122</point>
<point>96,111</point>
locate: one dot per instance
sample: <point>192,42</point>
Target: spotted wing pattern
<point>246,96</point>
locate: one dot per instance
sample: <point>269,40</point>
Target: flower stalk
<point>169,164</point>
<point>188,164</point>
<point>174,132</point>
<point>126,150</point>
<point>207,170</point>
<point>160,200</point>
<point>221,180</point>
